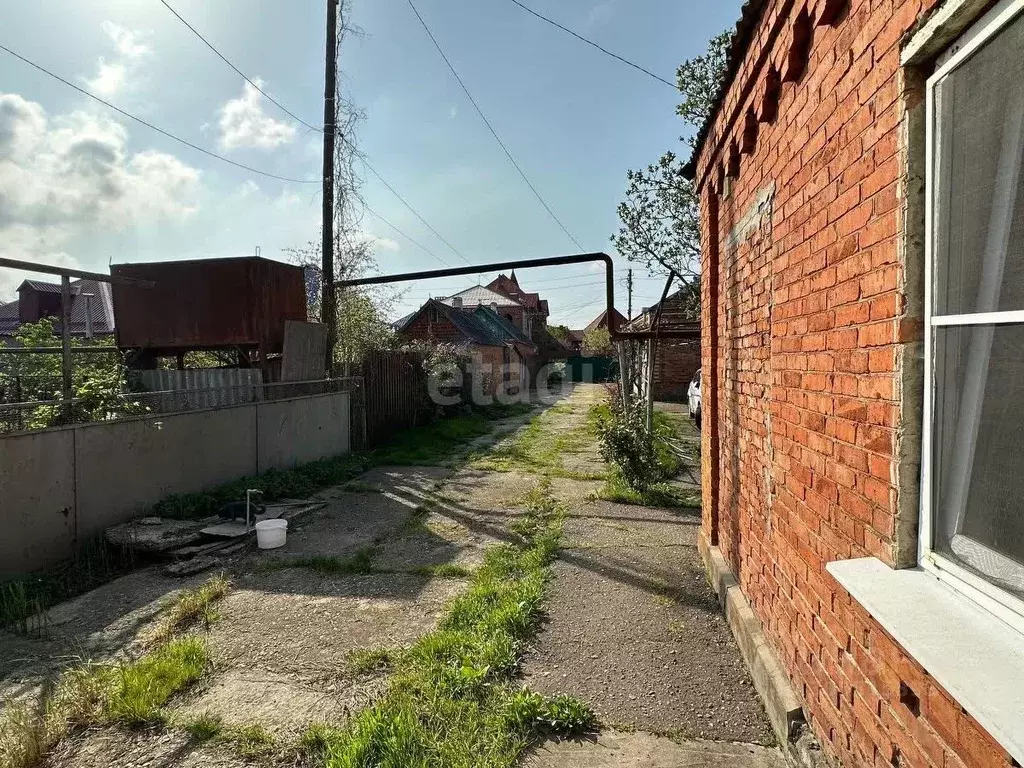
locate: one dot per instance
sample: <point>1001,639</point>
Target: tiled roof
<point>40,286</point>
<point>750,15</point>
<point>502,328</point>
<point>478,294</point>
<point>102,307</point>
<point>599,321</point>
<point>8,318</point>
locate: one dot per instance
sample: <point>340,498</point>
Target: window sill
<point>976,657</point>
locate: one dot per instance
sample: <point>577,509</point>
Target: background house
<point>676,360</point>
<point>861,443</point>
<point>500,352</point>
<point>92,307</point>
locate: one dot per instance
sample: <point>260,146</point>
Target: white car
<point>693,397</point>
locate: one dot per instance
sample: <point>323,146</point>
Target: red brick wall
<point>675,363</point>
<point>805,320</point>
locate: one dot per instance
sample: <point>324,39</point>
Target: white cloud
<point>453,113</point>
<point>384,243</point>
<point>113,77</point>
<point>600,14</point>
<point>244,124</point>
<point>127,42</point>
<point>72,175</point>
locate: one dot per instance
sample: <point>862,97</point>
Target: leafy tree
<point>699,80</point>
<point>560,332</point>
<point>660,216</point>
<point>98,380</point>
<point>361,312</point>
<point>597,342</point>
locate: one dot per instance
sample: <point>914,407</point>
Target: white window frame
<point>1001,603</point>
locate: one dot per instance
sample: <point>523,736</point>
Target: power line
<point>161,131</point>
<point>490,127</point>
<point>407,237</point>
<point>240,73</point>
<point>415,213</point>
<point>595,45</point>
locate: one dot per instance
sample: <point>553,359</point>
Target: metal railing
<point>40,414</point>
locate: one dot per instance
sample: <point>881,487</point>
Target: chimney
<point>457,302</point>
<point>88,315</point>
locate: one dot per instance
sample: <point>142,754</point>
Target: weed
<point>141,688</point>
<point>658,495</point>
<point>565,715</point>
<point>23,602</point>
<point>360,562</point>
<point>193,606</point>
<point>444,571</point>
<point>130,693</point>
<point>23,736</point>
<point>450,701</point>
<point>250,741</point>
<point>366,661</point>
<point>204,727</point>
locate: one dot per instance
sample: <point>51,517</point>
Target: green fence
<point>592,369</point>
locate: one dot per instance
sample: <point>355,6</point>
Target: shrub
<point>627,443</point>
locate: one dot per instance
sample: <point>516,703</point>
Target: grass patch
<point>658,495</point>
<point>538,447</point>
<point>250,741</point>
<point>360,562</point>
<point>366,661</point>
<point>444,571</point>
<point>204,727</point>
<point>194,606</point>
<point>131,693</point>
<point>139,690</point>
<point>451,700</point>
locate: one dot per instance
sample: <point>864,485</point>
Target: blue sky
<point>82,185</point>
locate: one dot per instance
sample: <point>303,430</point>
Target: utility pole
<point>328,306</point>
<point>629,288</point>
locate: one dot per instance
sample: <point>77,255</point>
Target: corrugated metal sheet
<point>169,391</point>
<point>208,304</point>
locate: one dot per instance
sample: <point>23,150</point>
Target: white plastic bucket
<point>271,534</point>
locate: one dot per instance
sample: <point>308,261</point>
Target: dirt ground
<point>632,627</point>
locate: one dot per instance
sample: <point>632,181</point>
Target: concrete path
<point>635,630</point>
<point>641,750</point>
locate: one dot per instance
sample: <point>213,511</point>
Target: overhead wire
<point>239,72</point>
<point>407,237</point>
<point>345,139</point>
<point>152,127</point>
<point>591,43</point>
<point>490,127</point>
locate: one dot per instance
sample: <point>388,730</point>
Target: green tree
<point>98,380</point>
<point>660,215</point>
<point>560,332</point>
<point>597,342</point>
<point>361,312</point>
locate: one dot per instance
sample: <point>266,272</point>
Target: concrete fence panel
<point>61,486</point>
<point>37,499</point>
<point>124,466</point>
<point>302,430</point>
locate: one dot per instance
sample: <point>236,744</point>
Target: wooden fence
<point>395,395</point>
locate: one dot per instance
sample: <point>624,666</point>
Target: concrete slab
<point>641,750</point>
<point>139,749</point>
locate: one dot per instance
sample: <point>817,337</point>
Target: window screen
<point>979,200</point>
<point>977,470</point>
